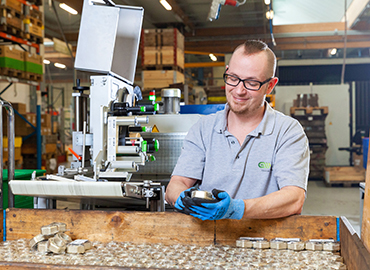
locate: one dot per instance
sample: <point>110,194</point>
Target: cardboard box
<point>19,107</point>
<point>12,58</point>
<point>14,4</point>
<point>45,130</point>
<point>33,26</point>
<point>46,120</point>
<point>33,63</point>
<point>358,160</point>
<point>50,148</point>
<point>31,117</point>
<point>21,128</point>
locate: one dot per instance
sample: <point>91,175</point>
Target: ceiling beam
<point>308,27</point>
<point>189,26</point>
<point>204,64</point>
<point>226,31</point>
<point>354,11</point>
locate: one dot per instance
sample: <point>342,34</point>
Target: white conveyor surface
<point>109,190</point>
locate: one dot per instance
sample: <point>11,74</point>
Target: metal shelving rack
<point>11,80</point>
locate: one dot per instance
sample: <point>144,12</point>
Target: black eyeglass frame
<point>240,80</point>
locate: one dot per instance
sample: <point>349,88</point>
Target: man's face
<point>254,67</point>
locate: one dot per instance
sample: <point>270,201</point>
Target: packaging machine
<point>112,139</point>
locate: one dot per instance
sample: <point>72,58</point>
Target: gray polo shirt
<point>274,155</point>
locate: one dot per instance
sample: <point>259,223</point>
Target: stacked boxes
<point>12,62</point>
<point>33,66</point>
<point>11,17</point>
<point>11,20</point>
<point>312,120</point>
<point>22,20</point>
<point>33,25</point>
<point>13,4</point>
<point>162,58</point>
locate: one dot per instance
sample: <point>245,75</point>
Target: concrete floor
<point>333,201</point>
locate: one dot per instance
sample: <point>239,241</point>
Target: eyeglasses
<point>248,83</point>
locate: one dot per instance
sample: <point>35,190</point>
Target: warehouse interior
<point>64,64</point>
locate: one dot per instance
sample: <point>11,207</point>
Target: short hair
<point>255,46</point>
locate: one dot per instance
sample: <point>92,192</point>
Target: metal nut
<point>278,245</point>
<point>62,227</point>
<point>38,238</point>
<point>75,249</point>
<point>331,246</point>
<point>56,245</point>
<point>296,245</point>
<point>63,237</point>
<point>43,246</point>
<point>49,229</point>
<point>244,243</point>
<point>201,194</point>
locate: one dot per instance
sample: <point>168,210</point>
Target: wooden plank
<point>163,56</point>
<point>161,78</point>
<point>365,231</point>
<point>106,226</point>
<point>344,174</point>
<point>353,251</point>
<point>309,27</point>
<point>304,227</point>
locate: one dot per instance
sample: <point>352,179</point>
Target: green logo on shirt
<point>264,165</point>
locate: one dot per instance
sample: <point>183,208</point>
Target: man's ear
<point>271,85</point>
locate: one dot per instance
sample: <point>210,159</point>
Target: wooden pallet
<point>309,110</point>
<point>34,38</point>
<point>33,76</point>
<point>344,176</point>
<point>10,29</point>
<point>10,72</point>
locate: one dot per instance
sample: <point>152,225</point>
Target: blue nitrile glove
<point>185,195</point>
<point>223,207</point>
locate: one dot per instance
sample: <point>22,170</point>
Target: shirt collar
<point>264,128</point>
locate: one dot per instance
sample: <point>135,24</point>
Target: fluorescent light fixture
<point>59,65</point>
<point>270,14</point>
<point>267,2</point>
<point>68,8</point>
<point>333,51</point>
<point>213,57</point>
<point>46,62</point>
<point>165,4</point>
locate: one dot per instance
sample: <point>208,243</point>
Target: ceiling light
<point>59,65</point>
<point>267,2</point>
<point>333,51</point>
<point>270,14</point>
<point>46,62</point>
<point>213,57</point>
<point>165,4</point>
<point>68,8</point>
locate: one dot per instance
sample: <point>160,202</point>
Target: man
<point>254,159</point>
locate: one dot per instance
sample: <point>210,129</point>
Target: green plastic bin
<point>19,201</point>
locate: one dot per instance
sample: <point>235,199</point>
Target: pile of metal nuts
<point>177,256</point>
<point>53,239</point>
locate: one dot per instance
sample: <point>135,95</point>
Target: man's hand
<point>185,195</point>
<point>223,207</point>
